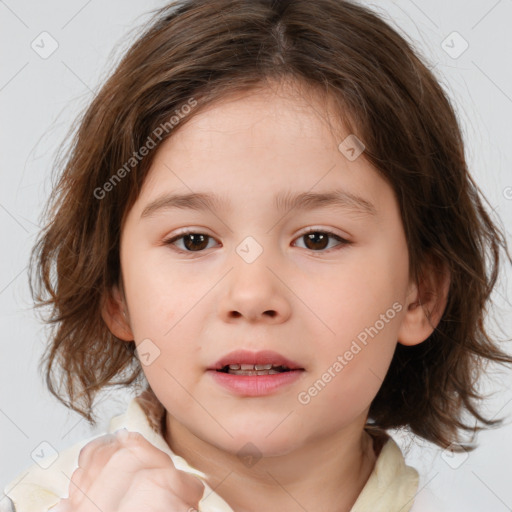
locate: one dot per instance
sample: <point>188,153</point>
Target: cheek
<point>361,310</point>
<point>353,296</point>
<point>349,376</point>
<point>346,396</point>
<point>161,306</point>
<point>155,290</point>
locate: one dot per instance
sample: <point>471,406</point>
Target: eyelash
<point>343,242</point>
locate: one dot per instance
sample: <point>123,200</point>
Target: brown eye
<point>192,242</point>
<point>195,241</point>
<point>316,240</point>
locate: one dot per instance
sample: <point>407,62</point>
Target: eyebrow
<point>284,201</point>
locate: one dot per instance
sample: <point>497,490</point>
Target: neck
<point>327,474</point>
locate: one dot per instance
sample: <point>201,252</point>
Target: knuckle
<point>151,476</point>
<point>144,451</point>
<point>198,487</point>
<point>170,479</point>
<point>129,436</point>
<point>189,485</point>
<point>192,481</point>
<point>87,452</point>
<point>153,482</point>
<point>122,454</point>
<point>135,436</point>
<point>77,477</point>
<point>127,458</point>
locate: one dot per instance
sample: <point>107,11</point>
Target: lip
<point>255,385</point>
<point>261,357</point>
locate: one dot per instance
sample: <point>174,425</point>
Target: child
<point>266,219</point>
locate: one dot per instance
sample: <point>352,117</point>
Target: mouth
<point>246,363</point>
<point>255,374</point>
<point>254,369</point>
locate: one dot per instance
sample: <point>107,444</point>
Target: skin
<point>308,304</point>
<point>118,472</point>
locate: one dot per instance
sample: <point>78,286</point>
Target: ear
<point>115,314</point>
<point>426,303</point>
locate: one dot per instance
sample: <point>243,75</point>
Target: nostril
<point>271,313</point>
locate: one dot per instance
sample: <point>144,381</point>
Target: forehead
<point>291,112</point>
<point>262,145</point>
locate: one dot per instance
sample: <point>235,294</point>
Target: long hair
<point>195,52</point>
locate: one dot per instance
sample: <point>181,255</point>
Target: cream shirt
<point>391,486</point>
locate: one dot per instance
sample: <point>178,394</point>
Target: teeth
<point>248,367</point>
<point>253,372</point>
<point>262,366</point>
<point>255,369</point>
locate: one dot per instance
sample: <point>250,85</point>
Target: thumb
<point>196,489</point>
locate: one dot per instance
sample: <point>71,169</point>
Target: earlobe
<point>115,315</point>
<point>426,304</point>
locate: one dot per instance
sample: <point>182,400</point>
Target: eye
<point>318,240</point>
<point>192,241</point>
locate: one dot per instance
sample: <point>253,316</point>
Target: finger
<point>78,485</point>
<point>79,488</point>
<point>131,450</point>
<point>147,456</point>
<point>145,452</point>
<point>78,477</point>
<point>91,460</point>
<point>185,485</point>
<point>147,486</point>
<point>194,486</point>
<point>106,443</point>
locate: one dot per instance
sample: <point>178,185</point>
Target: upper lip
<point>261,357</point>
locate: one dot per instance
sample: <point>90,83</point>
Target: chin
<point>257,443</point>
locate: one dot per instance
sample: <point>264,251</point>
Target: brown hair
<point>207,50</point>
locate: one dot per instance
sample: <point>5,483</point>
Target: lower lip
<point>255,385</point>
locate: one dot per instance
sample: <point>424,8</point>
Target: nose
<point>256,292</point>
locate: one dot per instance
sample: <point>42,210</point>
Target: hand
<point>124,472</point>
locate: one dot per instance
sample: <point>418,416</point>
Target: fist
<point>124,472</point>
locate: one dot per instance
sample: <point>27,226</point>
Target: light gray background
<point>39,99</point>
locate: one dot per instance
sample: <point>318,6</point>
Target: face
<point>321,283</point>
